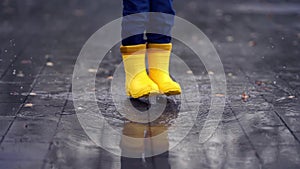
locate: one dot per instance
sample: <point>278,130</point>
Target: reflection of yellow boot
<point>158,60</point>
<point>137,83</point>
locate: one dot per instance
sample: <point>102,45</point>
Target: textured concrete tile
<point>31,130</point>
<point>19,151</point>
<point>4,123</point>
<point>9,109</point>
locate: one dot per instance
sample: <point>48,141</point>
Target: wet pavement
<point>258,43</point>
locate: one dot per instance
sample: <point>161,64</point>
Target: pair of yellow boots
<point>138,82</point>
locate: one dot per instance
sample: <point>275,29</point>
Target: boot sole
<point>170,92</point>
<point>143,94</point>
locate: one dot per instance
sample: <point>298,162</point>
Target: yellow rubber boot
<point>158,61</point>
<point>138,83</point>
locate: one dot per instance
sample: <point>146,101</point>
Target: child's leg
<point>134,26</point>
<point>160,23</point>
<point>159,46</point>
<point>133,49</point>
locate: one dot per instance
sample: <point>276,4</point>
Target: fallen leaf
<point>211,72</point>
<point>219,95</point>
<point>245,97</point>
<point>92,70</point>
<point>110,77</point>
<point>189,72</point>
<point>28,105</point>
<point>32,94</point>
<point>50,64</point>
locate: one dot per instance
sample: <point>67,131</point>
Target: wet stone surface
<point>258,43</point>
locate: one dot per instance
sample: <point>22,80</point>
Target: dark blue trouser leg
<point>160,25</point>
<point>134,26</point>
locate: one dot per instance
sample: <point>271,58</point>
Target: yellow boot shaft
<point>137,82</point>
